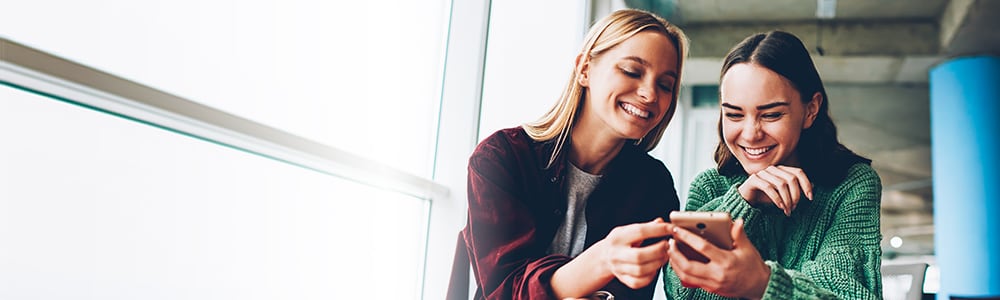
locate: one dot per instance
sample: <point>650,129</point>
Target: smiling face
<point>630,88</point>
<point>763,116</point>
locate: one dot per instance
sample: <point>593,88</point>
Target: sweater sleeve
<point>500,233</point>
<point>847,264</point>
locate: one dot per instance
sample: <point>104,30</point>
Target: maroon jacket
<point>516,205</point>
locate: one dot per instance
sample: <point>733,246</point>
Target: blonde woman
<point>571,205</point>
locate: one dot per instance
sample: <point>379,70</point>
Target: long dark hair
<point>824,159</point>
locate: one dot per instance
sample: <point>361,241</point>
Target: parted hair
<point>607,33</point>
<point>824,159</point>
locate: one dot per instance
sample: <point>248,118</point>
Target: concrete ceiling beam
<point>969,27</point>
<point>862,69</point>
<point>837,38</point>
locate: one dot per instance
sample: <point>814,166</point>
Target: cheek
<point>786,134</point>
<point>729,131</point>
<point>665,106</point>
<point>667,101</point>
<point>599,93</point>
<point>602,82</point>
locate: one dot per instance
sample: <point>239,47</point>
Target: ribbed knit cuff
<point>779,286</point>
<point>738,207</point>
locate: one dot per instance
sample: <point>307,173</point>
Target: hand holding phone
<point>712,226</point>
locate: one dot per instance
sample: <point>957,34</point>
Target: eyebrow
<point>760,107</point>
<point>645,63</point>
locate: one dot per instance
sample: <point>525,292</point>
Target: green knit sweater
<point>828,248</point>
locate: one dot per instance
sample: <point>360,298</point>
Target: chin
<point>633,134</point>
<point>752,168</point>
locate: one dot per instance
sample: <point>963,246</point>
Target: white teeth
<point>635,111</point>
<point>757,151</point>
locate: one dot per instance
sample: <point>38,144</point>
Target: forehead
<point>748,84</point>
<point>650,46</point>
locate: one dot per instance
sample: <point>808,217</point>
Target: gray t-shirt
<point>572,234</point>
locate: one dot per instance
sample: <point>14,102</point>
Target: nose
<point>647,91</point>
<point>751,130</point>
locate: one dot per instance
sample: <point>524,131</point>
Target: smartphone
<point>712,225</point>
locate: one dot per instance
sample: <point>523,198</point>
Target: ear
<point>582,70</point>
<point>812,110</point>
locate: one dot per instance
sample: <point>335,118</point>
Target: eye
<point>630,72</point>
<point>772,116</point>
<point>734,116</point>
<point>666,87</point>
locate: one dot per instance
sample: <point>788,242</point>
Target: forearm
<point>792,284</point>
<point>582,276</point>
<point>731,201</point>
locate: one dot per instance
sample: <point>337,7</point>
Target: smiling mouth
<point>635,111</point>
<point>757,152</point>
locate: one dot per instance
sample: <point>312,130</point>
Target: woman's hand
<point>737,273</point>
<point>633,265</point>
<point>781,185</point>
<point>619,255</point>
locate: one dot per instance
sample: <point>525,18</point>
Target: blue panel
<point>965,131</point>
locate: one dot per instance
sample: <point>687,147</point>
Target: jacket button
<point>557,212</point>
<point>554,179</point>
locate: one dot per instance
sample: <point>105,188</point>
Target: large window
<point>363,76</point>
<point>107,196</point>
<point>100,207</point>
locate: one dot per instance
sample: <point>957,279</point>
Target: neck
<point>792,161</point>
<point>591,153</point>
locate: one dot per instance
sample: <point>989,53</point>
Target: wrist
<point>745,193</point>
<point>763,278</point>
<point>584,274</point>
<point>601,260</point>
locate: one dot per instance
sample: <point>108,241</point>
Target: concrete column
<point>965,146</point>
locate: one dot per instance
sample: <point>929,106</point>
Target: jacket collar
<point>543,151</point>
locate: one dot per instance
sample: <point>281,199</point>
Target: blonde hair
<point>605,34</point>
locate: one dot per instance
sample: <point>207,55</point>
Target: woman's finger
<point>696,242</point>
<point>620,268</point>
<point>767,188</point>
<point>635,234</point>
<point>738,233</point>
<point>636,274</point>
<point>792,182</point>
<point>804,182</point>
<point>677,258</point>
<point>652,254</point>
<point>634,265</point>
<point>780,186</point>
<point>688,271</point>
